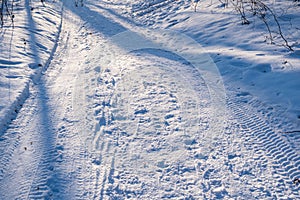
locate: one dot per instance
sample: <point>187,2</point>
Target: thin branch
<point>288,132</point>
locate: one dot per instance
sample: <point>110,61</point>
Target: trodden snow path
<point>134,126</point>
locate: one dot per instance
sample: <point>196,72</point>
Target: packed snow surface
<point>148,100</point>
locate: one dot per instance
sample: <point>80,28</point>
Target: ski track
<point>132,129</point>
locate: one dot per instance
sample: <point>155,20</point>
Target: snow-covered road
<point>106,123</point>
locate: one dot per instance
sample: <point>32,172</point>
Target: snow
<point>148,100</point>
<point>26,50</point>
<point>239,51</point>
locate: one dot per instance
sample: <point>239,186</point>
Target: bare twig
<point>258,8</point>
<point>6,9</point>
<point>288,132</point>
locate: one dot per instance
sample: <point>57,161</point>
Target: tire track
<point>44,176</point>
<point>50,178</point>
<point>150,7</point>
<point>285,160</point>
<point>8,143</point>
<point>18,142</point>
<point>42,155</point>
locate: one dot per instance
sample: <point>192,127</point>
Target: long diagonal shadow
<point>96,20</point>
<point>45,117</point>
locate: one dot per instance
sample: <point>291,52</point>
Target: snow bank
<point>26,51</point>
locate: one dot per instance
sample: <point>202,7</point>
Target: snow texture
<point>147,100</point>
